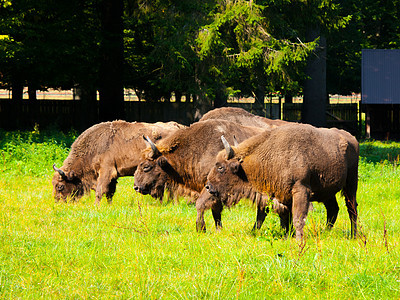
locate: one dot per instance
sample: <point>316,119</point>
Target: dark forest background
<point>204,50</point>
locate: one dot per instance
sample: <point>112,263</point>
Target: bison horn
<point>154,149</point>
<point>61,172</point>
<point>228,148</point>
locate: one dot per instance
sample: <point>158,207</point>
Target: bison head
<point>227,179</point>
<point>152,173</point>
<point>66,185</point>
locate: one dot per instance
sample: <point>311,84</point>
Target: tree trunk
<point>17,92</point>
<point>201,102</point>
<point>221,98</point>
<point>259,96</point>
<point>32,92</point>
<point>187,97</point>
<point>288,98</point>
<point>314,101</point>
<point>178,97</point>
<point>88,113</point>
<point>111,71</point>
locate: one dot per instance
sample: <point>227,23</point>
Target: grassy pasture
<point>138,248</point>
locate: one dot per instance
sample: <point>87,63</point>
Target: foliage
<point>380,151</point>
<point>238,43</point>
<point>32,153</point>
<point>373,25</point>
<point>139,248</point>
<point>5,3</point>
<point>301,15</point>
<point>49,44</point>
<point>193,47</point>
<point>159,52</point>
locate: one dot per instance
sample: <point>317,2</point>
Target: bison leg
<point>350,195</point>
<point>200,224</point>
<point>204,202</point>
<point>301,196</point>
<point>106,184</point>
<point>286,220</point>
<point>111,190</point>
<point>216,212</point>
<point>332,210</point>
<point>262,211</point>
<point>285,215</point>
<point>351,204</point>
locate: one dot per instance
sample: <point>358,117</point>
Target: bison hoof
<point>201,228</point>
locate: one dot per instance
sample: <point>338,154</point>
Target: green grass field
<point>137,248</point>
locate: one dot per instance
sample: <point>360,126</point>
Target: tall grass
<point>141,249</point>
<point>33,152</point>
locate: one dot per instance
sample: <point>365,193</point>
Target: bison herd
<point>228,155</point>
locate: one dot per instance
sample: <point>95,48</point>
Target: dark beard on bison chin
<point>236,195</point>
<point>232,199</point>
<point>158,194</point>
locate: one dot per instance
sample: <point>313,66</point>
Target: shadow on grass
<point>18,137</point>
<point>378,151</point>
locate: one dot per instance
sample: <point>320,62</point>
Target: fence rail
<point>343,116</point>
<point>65,114</point>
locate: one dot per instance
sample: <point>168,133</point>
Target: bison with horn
<point>102,154</point>
<point>296,164</point>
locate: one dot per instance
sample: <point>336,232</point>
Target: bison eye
<point>60,188</point>
<point>221,169</point>
<point>146,168</point>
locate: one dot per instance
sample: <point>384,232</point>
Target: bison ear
<point>235,166</point>
<point>162,162</point>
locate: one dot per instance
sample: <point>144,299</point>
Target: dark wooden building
<point>380,89</point>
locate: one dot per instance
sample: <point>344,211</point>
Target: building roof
<point>380,76</point>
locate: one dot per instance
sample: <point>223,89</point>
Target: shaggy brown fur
<point>186,156</point>
<point>103,153</point>
<point>295,164</point>
<point>242,117</point>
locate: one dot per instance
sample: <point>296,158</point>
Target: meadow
<point>139,248</point>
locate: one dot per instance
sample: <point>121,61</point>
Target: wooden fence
<point>65,114</point>
<point>343,116</point>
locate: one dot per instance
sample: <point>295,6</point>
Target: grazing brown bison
<point>185,158</point>
<point>103,153</point>
<point>242,117</point>
<point>295,164</point>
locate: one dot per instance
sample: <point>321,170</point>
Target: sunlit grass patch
<point>138,247</point>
